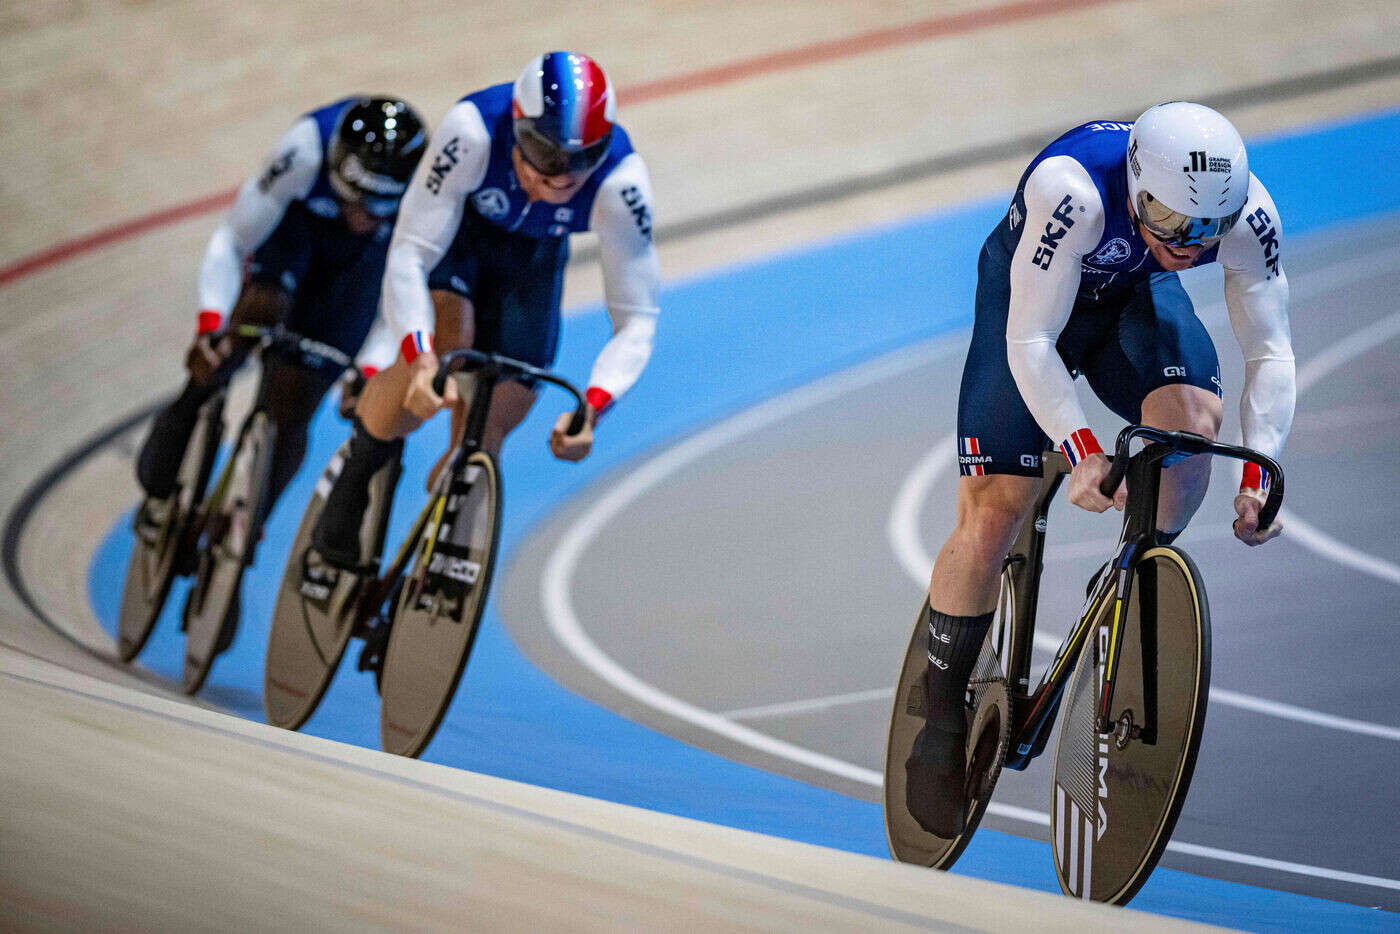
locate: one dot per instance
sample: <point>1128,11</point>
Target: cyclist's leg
<point>1162,371</point>
<point>381,422</point>
<point>378,428</point>
<point>519,316</point>
<point>290,394</point>
<point>158,462</point>
<point>999,447</point>
<point>515,300</point>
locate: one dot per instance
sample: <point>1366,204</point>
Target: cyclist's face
<point>554,189</point>
<point>357,218</point>
<point>1170,258</point>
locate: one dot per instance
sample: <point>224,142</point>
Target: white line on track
<point>563,621</point>
<point>559,570</point>
<point>808,706</point>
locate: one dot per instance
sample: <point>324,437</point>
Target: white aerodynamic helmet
<point>1188,177</point>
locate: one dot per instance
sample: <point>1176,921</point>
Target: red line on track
<point>934,27</point>
<point>125,230</point>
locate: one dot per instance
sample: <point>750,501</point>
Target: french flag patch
<point>1079,446</point>
<point>971,458</point>
<point>415,343</point>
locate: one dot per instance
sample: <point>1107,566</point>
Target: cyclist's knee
<point>380,406</point>
<point>454,321</point>
<point>1181,407</point>
<point>509,406</point>
<point>990,512</point>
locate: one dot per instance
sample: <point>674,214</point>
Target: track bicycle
<point>418,622</point>
<point>211,534</point>
<point>1135,701</point>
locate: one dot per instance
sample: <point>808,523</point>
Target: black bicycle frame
<point>1033,712</point>
<point>313,352</point>
<point>490,369</point>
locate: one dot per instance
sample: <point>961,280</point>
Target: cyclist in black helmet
<point>304,245</point>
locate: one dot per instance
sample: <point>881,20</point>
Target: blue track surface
<point>727,341</point>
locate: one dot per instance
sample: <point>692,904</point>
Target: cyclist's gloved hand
<point>1247,505</point>
<point>568,447</point>
<point>1084,483</point>
<point>420,398</point>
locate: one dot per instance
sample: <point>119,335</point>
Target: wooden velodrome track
<point>762,128</point>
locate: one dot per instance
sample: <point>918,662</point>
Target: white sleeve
<point>1064,221</point>
<point>430,215</point>
<point>622,216</point>
<point>1256,295</point>
<point>287,175</point>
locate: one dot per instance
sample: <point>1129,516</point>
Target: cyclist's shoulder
<point>1062,184</point>
<point>491,103</point>
<point>1256,240</point>
<point>1100,147</point>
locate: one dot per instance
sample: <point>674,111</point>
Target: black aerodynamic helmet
<point>375,148</point>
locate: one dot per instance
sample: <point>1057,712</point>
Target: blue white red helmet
<point>1188,176</point>
<point>564,111</point>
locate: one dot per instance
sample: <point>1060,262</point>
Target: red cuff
<point>1255,478</point>
<point>368,371</point>
<point>600,399</point>
<point>1079,446</point>
<point>210,320</point>
<point>415,343</point>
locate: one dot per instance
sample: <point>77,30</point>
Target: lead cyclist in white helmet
<point>1080,278</point>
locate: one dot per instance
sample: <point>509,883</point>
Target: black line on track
<point>1026,144</point>
<point>36,493</point>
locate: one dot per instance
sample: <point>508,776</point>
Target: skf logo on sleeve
<point>641,214</point>
<point>442,164</point>
<point>1263,226</point>
<point>276,170</point>
<point>1050,240</point>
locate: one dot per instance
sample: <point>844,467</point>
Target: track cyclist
<point>477,260</point>
<point>1080,278</point>
<point>304,245</point>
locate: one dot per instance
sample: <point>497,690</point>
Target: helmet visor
<point>1176,229</point>
<point>376,205</point>
<point>550,159</point>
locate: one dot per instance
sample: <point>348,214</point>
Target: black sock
<point>954,642</point>
<point>158,462</point>
<point>336,534</point>
<point>368,453</point>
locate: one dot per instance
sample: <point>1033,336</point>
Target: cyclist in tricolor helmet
<point>478,261</point>
<point>1079,278</point>
<point>304,244</point>
<point>563,112</point>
